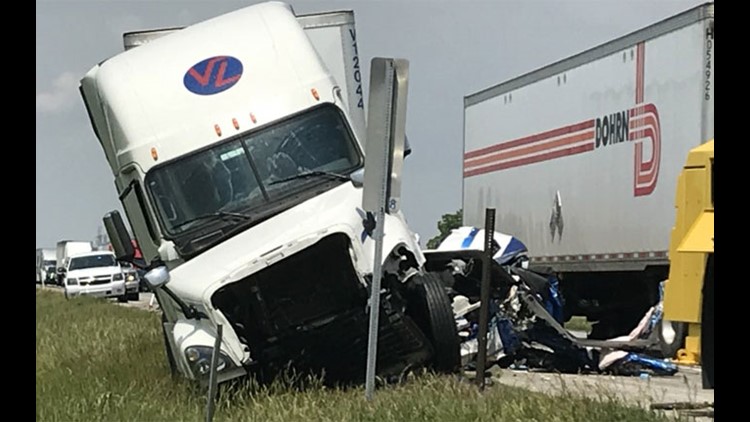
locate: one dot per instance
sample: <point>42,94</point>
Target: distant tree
<point>447,223</point>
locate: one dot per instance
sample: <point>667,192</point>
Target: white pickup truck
<point>93,274</point>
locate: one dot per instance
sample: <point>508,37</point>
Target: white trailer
<point>67,248</point>
<point>580,159</point>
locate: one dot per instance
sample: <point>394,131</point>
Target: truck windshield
<point>91,261</point>
<point>236,178</point>
<point>48,264</point>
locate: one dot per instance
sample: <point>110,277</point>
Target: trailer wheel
<point>671,337</point>
<point>168,348</point>
<point>707,326</point>
<point>430,308</point>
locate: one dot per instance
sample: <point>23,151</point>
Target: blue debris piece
<point>635,364</point>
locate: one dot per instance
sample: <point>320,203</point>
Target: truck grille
<point>309,310</point>
<point>100,279</point>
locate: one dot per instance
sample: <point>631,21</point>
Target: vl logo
<point>213,75</point>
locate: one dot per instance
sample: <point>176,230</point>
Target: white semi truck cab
<point>237,148</point>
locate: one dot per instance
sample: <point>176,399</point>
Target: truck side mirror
<point>119,237</point>
<point>358,178</point>
<point>157,277</point>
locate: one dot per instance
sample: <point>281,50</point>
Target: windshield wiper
<point>212,215</point>
<point>312,173</point>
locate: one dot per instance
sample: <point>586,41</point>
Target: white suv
<point>94,274</point>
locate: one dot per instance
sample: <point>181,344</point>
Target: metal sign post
<point>484,295</point>
<point>384,155</point>
<point>212,381</point>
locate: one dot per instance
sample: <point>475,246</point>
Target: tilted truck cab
<point>238,158</point>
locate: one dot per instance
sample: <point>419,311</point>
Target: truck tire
<point>430,308</point>
<point>707,326</point>
<point>168,349</point>
<point>671,336</point>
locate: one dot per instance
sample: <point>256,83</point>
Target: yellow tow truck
<point>687,329</point>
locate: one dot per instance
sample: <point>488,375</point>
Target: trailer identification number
<point>357,73</point>
<point>709,51</point>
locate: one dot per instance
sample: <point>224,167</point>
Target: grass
<point>99,362</point>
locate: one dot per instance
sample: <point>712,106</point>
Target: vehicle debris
<point>526,316</point>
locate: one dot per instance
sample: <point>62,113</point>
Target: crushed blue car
<point>526,309</point>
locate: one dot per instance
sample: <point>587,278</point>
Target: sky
<point>455,48</point>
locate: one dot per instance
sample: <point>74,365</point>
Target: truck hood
<point>337,210</point>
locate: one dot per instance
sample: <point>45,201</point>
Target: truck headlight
<point>199,359</point>
<point>117,277</point>
<point>131,277</point>
<point>72,282</point>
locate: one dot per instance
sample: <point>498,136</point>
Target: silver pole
<point>375,196</point>
<point>381,193</point>
<point>212,381</point>
<point>372,340</point>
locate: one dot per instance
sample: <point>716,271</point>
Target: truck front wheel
<point>430,308</point>
<point>671,337</point>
